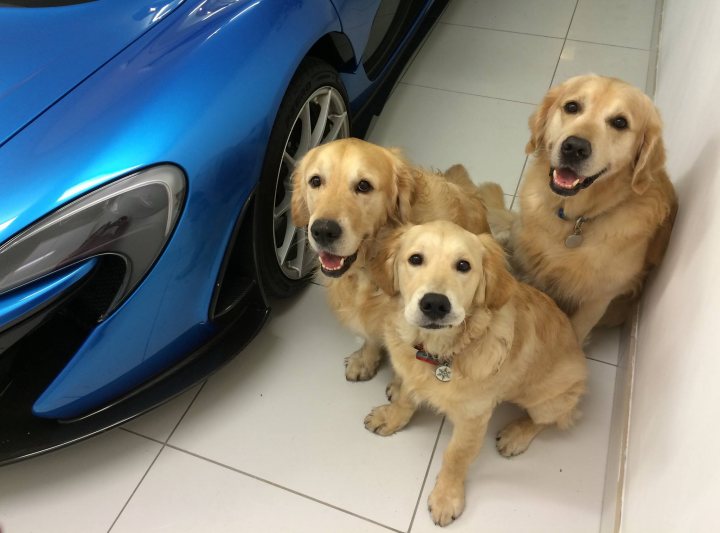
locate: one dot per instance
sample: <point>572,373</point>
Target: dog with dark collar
<point>596,205</point>
<point>345,192</point>
<point>463,335</point>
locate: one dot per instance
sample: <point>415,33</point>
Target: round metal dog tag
<point>443,373</point>
<point>574,240</point>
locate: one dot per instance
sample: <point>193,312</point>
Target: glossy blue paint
<point>198,88</point>
<point>24,300</point>
<point>168,97</point>
<point>46,52</point>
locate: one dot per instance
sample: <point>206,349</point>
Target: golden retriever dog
<point>463,336</point>
<point>596,206</point>
<point>345,192</point>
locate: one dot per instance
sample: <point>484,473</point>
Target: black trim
<point>343,48</point>
<point>12,328</point>
<point>237,275</point>
<point>373,105</point>
<point>30,435</point>
<point>404,17</point>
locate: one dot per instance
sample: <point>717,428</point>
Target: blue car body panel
<point>195,83</point>
<point>61,46</point>
<point>169,96</point>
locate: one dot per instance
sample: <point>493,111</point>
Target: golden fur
<point>401,193</point>
<point>507,342</point>
<point>631,206</point>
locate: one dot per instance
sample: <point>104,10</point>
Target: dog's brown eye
<point>415,259</point>
<point>619,123</point>
<point>571,107</point>
<point>363,186</point>
<point>462,266</point>
<point>315,182</point>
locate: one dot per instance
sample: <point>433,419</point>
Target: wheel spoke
<point>338,121</point>
<point>304,263</point>
<point>305,134</point>
<point>282,251</point>
<point>283,207</point>
<point>325,107</point>
<point>300,240</point>
<point>309,256</point>
<point>321,123</point>
<point>289,161</point>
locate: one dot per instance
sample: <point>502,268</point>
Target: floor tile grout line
<point>427,472</point>
<point>133,432</point>
<point>122,510</point>
<point>608,44</point>
<point>546,36</point>
<point>162,447</point>
<point>601,361</point>
<point>468,94</point>
<point>202,386</point>
<point>406,69</point>
<point>415,55</point>
<point>552,79</point>
<point>503,31</point>
<point>281,487</point>
<point>563,45</point>
<point>517,187</point>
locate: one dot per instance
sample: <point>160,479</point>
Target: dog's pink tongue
<point>330,261</point>
<point>564,177</point>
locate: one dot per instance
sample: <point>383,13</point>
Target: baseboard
<point>654,49</point>
<point>619,428</point>
<point>611,515</point>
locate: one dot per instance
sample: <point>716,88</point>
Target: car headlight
<point>131,218</point>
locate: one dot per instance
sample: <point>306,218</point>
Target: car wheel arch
<point>335,49</point>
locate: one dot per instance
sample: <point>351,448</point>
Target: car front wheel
<point>314,111</point>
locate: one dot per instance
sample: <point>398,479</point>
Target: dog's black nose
<point>435,306</point>
<point>325,232</point>
<point>575,149</point>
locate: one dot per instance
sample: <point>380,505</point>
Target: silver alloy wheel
<point>322,118</point>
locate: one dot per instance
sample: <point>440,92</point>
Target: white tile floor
<point>275,441</point>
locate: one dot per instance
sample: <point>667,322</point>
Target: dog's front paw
<point>361,366</point>
<point>446,503</point>
<point>385,420</point>
<point>515,438</point>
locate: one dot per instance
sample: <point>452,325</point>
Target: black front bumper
<point>35,350</point>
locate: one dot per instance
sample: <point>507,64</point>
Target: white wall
<point>673,466</point>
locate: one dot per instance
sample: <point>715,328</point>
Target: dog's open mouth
<point>335,265</point>
<point>565,182</point>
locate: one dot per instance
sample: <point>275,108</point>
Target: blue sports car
<point>145,154</point>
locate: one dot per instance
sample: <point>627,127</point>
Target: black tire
<point>280,279</point>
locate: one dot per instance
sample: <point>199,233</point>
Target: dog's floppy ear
<point>382,255</point>
<point>498,282</point>
<point>404,177</point>
<point>538,120</point>
<point>651,152</point>
<point>298,204</point>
